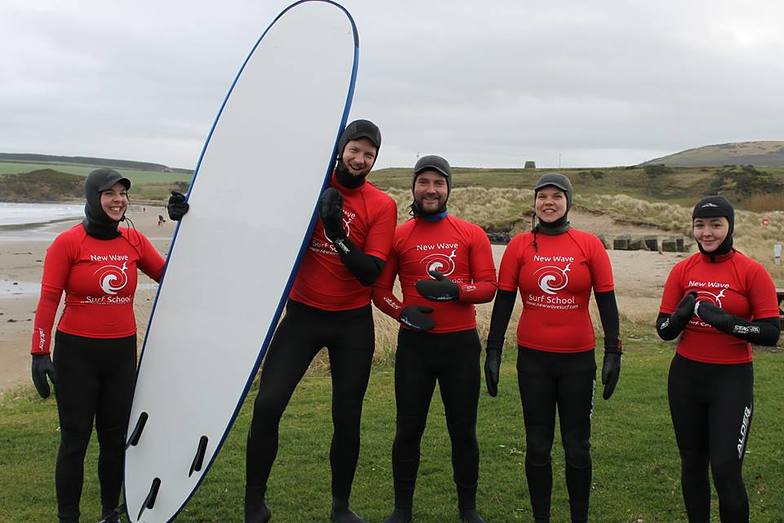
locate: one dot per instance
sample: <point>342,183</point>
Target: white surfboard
<point>234,255</point>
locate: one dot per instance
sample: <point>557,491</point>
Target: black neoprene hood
<point>359,129</point>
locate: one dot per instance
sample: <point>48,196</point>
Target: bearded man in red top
<point>328,306</point>
<point>445,266</point>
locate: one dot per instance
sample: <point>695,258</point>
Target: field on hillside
<point>678,185</point>
<point>137,176</point>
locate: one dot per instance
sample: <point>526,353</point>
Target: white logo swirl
<point>442,263</point>
<point>710,297</point>
<point>553,278</point>
<point>112,278</point>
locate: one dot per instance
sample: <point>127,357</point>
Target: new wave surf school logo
<point>112,278</point>
<point>440,262</point>
<point>552,278</point>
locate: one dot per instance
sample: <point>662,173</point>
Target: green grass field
<point>636,466</point>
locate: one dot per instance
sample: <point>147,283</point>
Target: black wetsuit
<point>349,338</point>
<point>95,379</point>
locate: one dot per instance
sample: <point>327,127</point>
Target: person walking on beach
<point>555,267</point>
<point>445,266</point>
<point>95,263</point>
<point>328,306</point>
<point>720,302</point>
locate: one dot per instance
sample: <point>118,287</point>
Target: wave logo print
<point>112,278</point>
<point>553,279</point>
<point>710,297</point>
<point>443,263</point>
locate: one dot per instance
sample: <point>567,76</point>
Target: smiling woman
<point>95,263</point>
<point>719,302</point>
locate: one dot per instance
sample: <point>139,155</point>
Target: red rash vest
<point>739,285</point>
<point>456,248</point>
<point>555,281</point>
<point>323,281</point>
<point>99,279</point>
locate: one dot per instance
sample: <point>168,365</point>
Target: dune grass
<point>636,466</point>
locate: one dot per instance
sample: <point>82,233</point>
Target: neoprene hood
<point>556,180</point>
<point>716,207</point>
<point>435,163</point>
<point>96,222</point>
<point>359,129</point>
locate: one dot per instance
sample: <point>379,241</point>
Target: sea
<point>21,214</point>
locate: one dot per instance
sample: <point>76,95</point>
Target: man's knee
<point>539,442</point>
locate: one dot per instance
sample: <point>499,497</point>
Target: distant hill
<point>87,160</point>
<point>759,154</point>
<point>45,185</point>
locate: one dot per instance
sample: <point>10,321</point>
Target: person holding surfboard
<point>555,267</point>
<point>445,266</point>
<point>95,263</point>
<point>328,306</point>
<point>719,302</point>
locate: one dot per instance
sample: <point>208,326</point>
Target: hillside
<point>44,185</point>
<point>87,160</point>
<point>759,154</point>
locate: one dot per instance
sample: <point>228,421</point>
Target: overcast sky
<point>483,83</point>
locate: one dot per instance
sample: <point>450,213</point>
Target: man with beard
<point>445,266</point>
<point>328,306</point>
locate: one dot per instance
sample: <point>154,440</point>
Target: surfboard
<point>252,202</point>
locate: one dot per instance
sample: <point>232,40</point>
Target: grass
<point>636,466</point>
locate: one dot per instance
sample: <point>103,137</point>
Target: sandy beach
<point>21,263</point>
<point>639,276</point>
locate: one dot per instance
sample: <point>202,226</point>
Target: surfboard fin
<point>198,459</point>
<point>149,501</point>
<point>137,430</point>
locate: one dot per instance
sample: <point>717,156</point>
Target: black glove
<point>416,317</point>
<point>492,369</point>
<point>715,316</point>
<point>611,366</point>
<point>331,213</point>
<point>439,289</point>
<point>42,367</point>
<point>685,309</point>
<point>177,207</point>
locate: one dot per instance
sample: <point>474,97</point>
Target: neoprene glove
<point>42,367</point>
<point>714,316</point>
<point>177,206</point>
<point>685,309</point>
<point>417,318</point>
<point>439,289</point>
<point>331,214</point>
<point>492,369</point>
<point>611,371</point>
